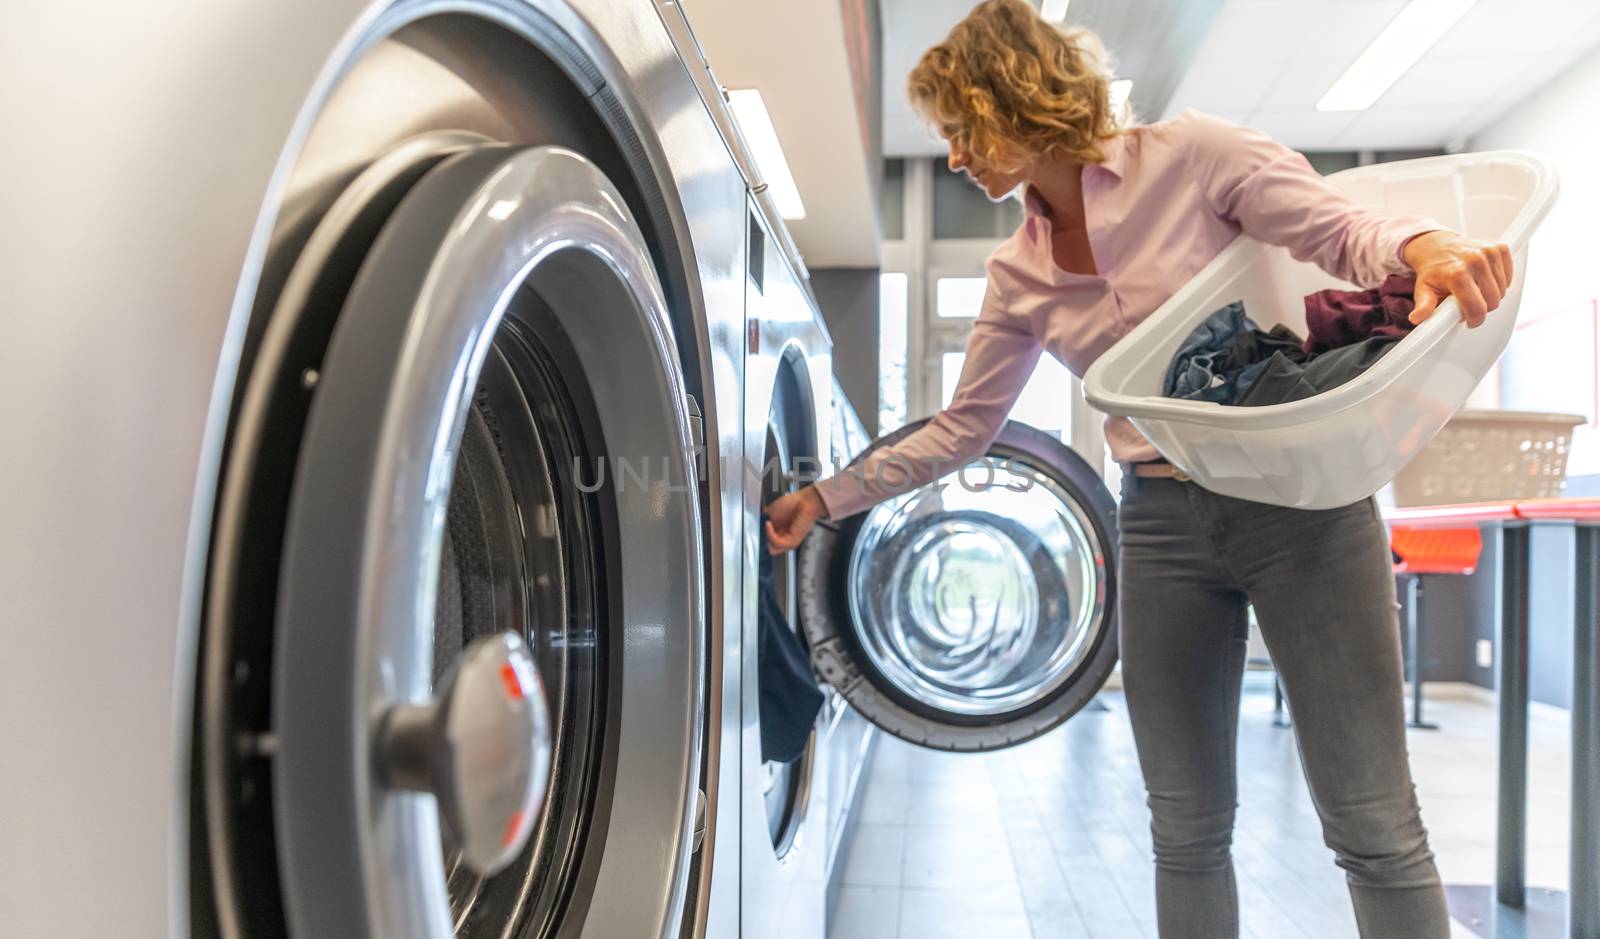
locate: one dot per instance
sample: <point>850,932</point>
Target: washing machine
<point>371,564</point>
<point>788,403</point>
<point>968,615</point>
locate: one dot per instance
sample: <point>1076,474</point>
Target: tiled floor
<point>1051,840</point>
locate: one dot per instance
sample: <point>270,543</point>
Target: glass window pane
<point>892,311</point>
<point>892,199</point>
<point>961,210</point>
<point>1111,471</point>
<point>949,374</point>
<point>1045,402</point>
<point>958,297</point>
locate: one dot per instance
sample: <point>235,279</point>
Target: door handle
<point>481,747</point>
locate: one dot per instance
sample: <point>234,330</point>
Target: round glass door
<point>471,347</point>
<point>978,601</point>
<point>518,553</point>
<point>976,611</point>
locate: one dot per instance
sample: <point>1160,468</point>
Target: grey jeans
<point>1323,589</point>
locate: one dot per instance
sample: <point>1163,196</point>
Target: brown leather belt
<point>1159,470</point>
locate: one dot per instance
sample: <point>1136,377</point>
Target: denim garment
<point>1323,590</point>
<point>1222,358</point>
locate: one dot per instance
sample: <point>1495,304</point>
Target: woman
<point>1116,220</point>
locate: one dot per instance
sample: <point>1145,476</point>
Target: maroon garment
<point>1337,318</point>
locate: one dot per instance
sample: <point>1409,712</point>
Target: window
<point>1045,402</point>
<point>959,297</point>
<point>892,199</point>
<point>892,312</point>
<point>1111,472</point>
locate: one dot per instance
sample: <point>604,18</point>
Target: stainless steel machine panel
<point>142,252</point>
<point>788,384</point>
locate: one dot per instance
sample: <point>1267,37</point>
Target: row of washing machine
<point>346,340</point>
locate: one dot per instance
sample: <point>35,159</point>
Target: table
<point>1513,520</point>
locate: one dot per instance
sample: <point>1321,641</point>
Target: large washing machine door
<point>496,471</point>
<point>976,612</point>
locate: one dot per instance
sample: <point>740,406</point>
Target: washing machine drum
<point>976,612</point>
<point>428,588</point>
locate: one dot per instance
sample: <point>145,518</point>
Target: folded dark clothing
<point>789,699</point>
<point>1282,379</point>
<point>1336,318</point>
<point>1223,356</point>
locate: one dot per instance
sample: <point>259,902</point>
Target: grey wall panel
<point>848,297</point>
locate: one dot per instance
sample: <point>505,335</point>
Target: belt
<point>1159,469</point>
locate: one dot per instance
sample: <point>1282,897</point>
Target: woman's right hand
<point>790,517</point>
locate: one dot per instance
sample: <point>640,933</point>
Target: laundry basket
<point>1489,456</point>
<point>1346,443</point>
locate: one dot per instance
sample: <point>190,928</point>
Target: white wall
<point>1552,362</point>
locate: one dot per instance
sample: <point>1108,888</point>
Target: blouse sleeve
<point>1275,195</point>
<point>1000,357</point>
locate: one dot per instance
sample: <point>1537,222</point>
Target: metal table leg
<point>1511,843</point>
<point>1414,649</point>
<point>1584,910</point>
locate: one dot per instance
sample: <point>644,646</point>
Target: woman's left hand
<point>1476,273</point>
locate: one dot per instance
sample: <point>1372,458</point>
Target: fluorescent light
<point>1054,10</point>
<point>1406,39</point>
<point>1121,88</point>
<point>756,125</point>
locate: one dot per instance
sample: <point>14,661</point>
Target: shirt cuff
<point>1400,253</point>
<point>844,494</point>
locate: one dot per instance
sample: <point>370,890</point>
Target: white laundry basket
<point>1347,443</point>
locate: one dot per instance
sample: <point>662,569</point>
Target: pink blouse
<point>1167,199</point>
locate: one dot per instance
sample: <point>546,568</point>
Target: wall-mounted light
<point>756,126</point>
<point>1054,10</point>
<point>1406,39</point>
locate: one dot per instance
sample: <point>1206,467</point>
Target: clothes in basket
<point>1230,360</point>
<point>1224,355</point>
<point>1283,380</point>
<point>1337,318</point>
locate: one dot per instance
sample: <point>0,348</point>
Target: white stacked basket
<point>1490,456</point>
<point>1346,443</point>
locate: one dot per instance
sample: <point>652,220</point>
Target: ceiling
<point>1152,41</point>
<point>1266,63</point>
<point>795,53</point>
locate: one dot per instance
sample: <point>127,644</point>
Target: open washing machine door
<point>454,665</point>
<point>976,612</point>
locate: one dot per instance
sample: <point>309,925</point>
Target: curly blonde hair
<point>1012,86</point>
